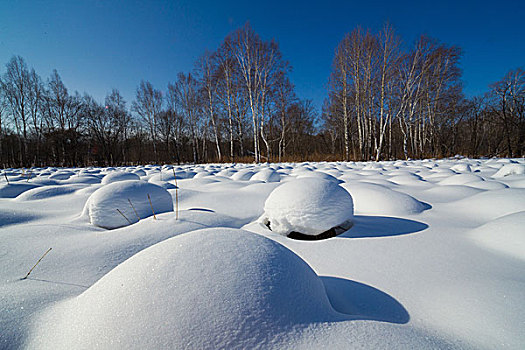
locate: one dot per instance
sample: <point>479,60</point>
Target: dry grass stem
<point>151,205</point>
<point>176,196</point>
<point>138,217</point>
<point>125,217</point>
<point>39,260</point>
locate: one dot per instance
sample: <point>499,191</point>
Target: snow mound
<point>243,175</point>
<point>372,199</point>
<point>139,172</point>
<point>169,176</point>
<point>207,289</point>
<point>505,235</point>
<point>487,185</point>
<point>45,192</point>
<point>267,175</point>
<point>83,179</point>
<point>309,206</point>
<point>319,175</point>
<point>12,190</point>
<point>119,176</point>
<point>102,205</point>
<point>407,179</point>
<point>510,169</point>
<point>449,193</point>
<point>490,205</point>
<point>44,181</point>
<point>460,179</point>
<point>61,175</point>
<point>461,168</point>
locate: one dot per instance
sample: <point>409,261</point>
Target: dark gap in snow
<point>333,232</point>
<point>302,237</point>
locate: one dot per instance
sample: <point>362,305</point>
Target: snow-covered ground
<point>433,256</point>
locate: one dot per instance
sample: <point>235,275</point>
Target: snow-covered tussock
<point>308,205</point>
<point>208,289</point>
<point>130,198</point>
<point>119,176</point>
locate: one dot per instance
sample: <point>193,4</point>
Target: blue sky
<point>100,45</point>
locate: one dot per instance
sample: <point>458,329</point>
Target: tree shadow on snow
<point>363,302</point>
<point>382,226</point>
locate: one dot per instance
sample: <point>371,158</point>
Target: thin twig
<point>6,179</point>
<point>176,196</point>
<point>39,260</point>
<point>138,217</point>
<point>151,205</point>
<point>125,217</point>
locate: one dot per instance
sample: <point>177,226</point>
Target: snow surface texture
<point>123,203</point>
<point>307,205</point>
<point>434,259</point>
<point>208,289</point>
<point>119,176</point>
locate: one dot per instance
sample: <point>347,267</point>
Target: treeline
<point>387,102</point>
<point>238,104</point>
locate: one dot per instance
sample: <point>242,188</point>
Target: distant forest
<point>385,100</point>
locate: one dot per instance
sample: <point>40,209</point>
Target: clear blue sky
<point>100,45</point>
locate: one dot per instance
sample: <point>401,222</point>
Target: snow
<point>376,199</point>
<point>505,235</point>
<point>125,202</point>
<point>119,176</point>
<point>230,287</point>
<point>267,175</point>
<point>510,169</point>
<point>13,190</point>
<point>307,205</point>
<point>434,258</point>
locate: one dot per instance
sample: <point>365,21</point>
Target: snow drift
<point>119,176</point>
<point>373,199</point>
<point>207,289</point>
<point>504,235</point>
<point>309,206</point>
<point>102,205</point>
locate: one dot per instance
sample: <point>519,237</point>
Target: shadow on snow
<point>361,301</point>
<point>382,226</point>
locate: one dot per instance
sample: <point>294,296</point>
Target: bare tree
<point>226,87</point>
<point>389,55</point>
<point>15,84</point>
<point>284,98</point>
<point>186,100</point>
<point>208,71</point>
<point>508,103</point>
<point>148,105</point>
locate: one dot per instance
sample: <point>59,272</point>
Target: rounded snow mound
<point>12,190</point>
<point>490,205</point>
<point>461,168</point>
<point>309,206</point>
<point>214,288</point>
<point>83,179</point>
<point>460,179</point>
<point>267,175</point>
<point>510,169</point>
<point>46,192</point>
<point>374,199</point>
<point>61,175</point>
<point>319,175</point>
<point>102,205</point>
<point>243,175</point>
<point>119,176</point>
<point>504,235</point>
